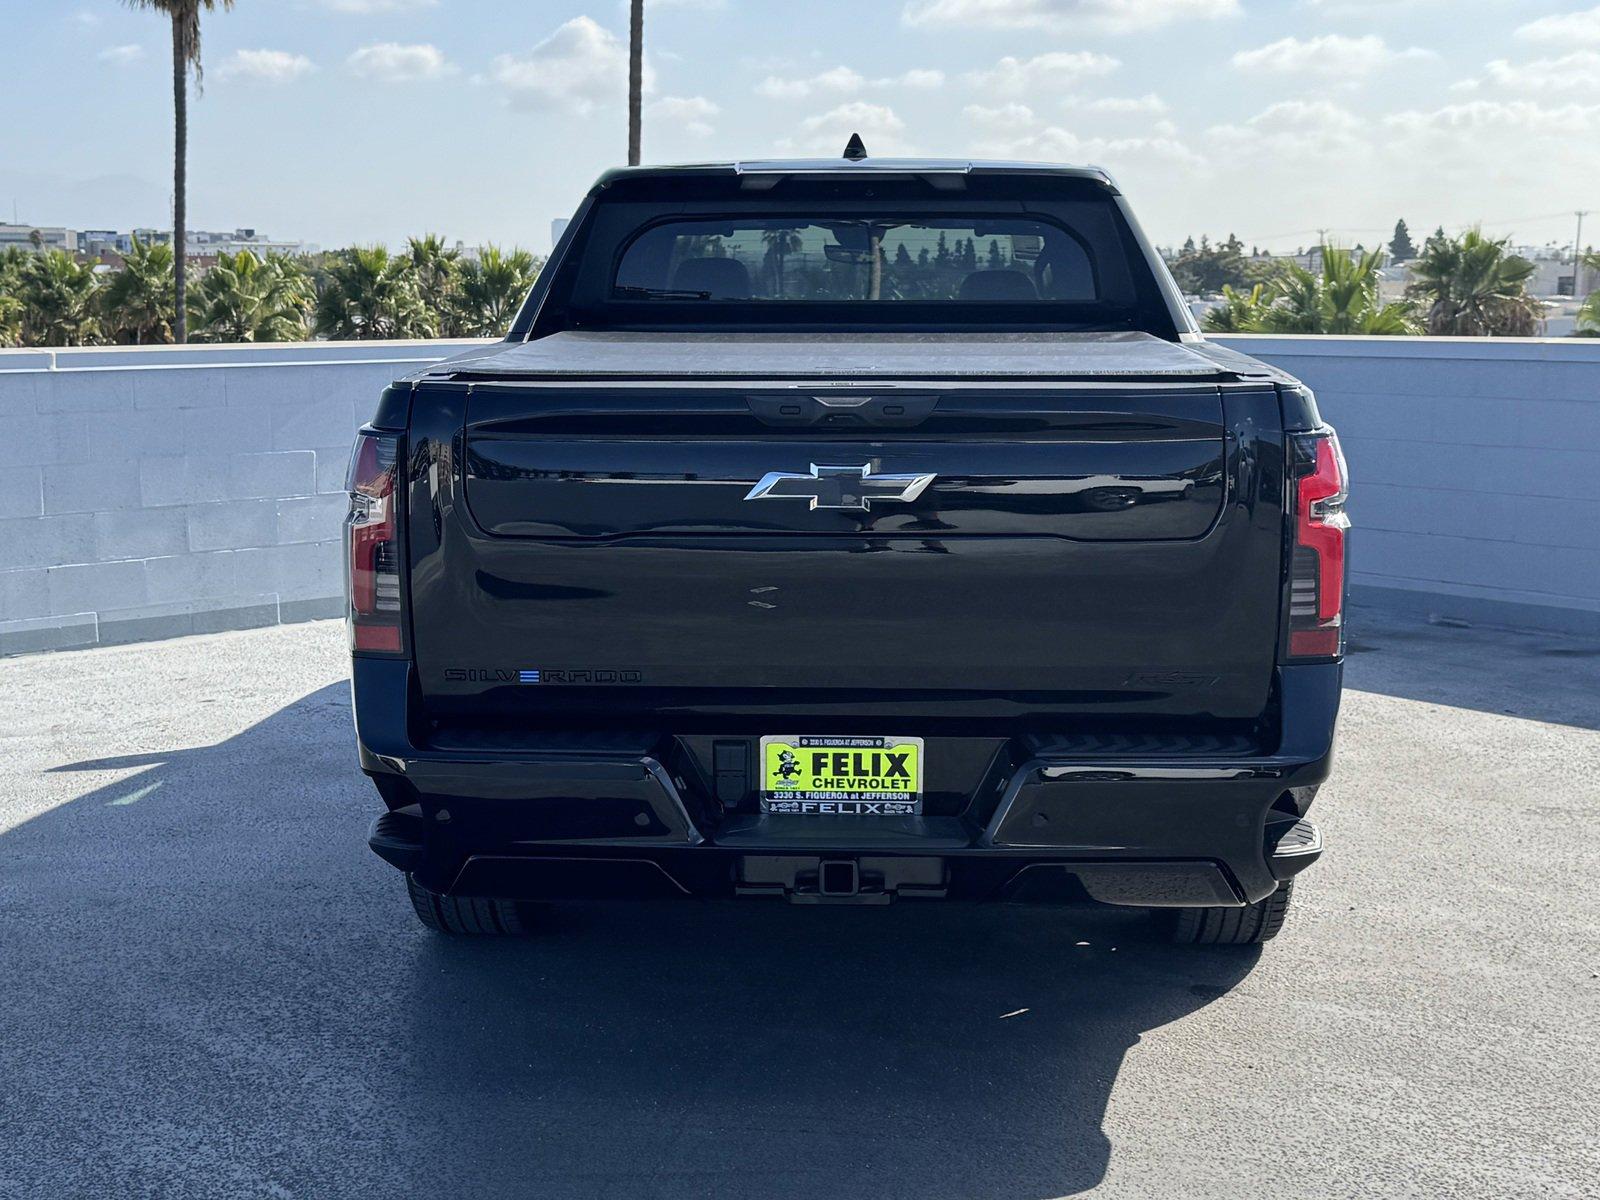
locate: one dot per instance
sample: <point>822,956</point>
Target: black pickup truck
<point>846,531</point>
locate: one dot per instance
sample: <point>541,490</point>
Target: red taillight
<point>372,545</point>
<point>1316,574</point>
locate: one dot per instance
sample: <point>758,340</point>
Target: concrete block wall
<point>148,492</point>
<point>1476,468</point>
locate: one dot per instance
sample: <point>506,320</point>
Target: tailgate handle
<point>890,411</point>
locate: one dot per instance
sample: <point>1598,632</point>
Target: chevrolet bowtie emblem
<point>840,487</point>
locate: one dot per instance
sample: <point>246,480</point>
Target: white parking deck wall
<point>1476,471</point>
<point>146,492</point>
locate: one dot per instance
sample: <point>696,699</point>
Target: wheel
<point>1247,926</point>
<point>466,915</point>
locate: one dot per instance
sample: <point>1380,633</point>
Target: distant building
<point>204,243</point>
<point>44,237</point>
<point>100,242</point>
<point>557,228</point>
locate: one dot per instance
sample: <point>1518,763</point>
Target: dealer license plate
<point>842,776</point>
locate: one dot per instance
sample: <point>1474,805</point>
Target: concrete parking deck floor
<point>209,987</point>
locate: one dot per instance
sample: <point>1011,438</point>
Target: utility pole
<point>635,78</point>
<point>1577,257</point>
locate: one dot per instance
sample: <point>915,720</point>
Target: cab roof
<point>932,169</point>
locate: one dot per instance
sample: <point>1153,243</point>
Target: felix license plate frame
<point>842,776</point>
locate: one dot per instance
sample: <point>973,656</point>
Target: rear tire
<point>1247,926</point>
<point>466,916</point>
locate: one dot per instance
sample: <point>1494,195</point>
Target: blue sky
<point>338,121</point>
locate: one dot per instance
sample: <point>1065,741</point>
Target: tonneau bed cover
<point>1031,356</point>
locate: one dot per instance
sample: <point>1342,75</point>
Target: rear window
<point>879,260</point>
<point>719,253</point>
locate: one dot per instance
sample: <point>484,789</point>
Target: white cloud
<point>1000,116</point>
<point>1331,55</point>
<point>265,66</point>
<point>1063,16</point>
<point>1566,29</point>
<point>1297,127</point>
<point>1044,72</point>
<point>878,124</point>
<point>917,77</point>
<point>839,80</point>
<point>1414,161</point>
<point>1155,155</point>
<point>84,19</point>
<point>1575,72</point>
<point>364,8</point>
<point>843,81</point>
<point>578,67</point>
<point>390,62</point>
<point>1012,131</point>
<point>121,55</point>
<point>1521,119</point>
<point>1149,104</point>
<point>692,114</point>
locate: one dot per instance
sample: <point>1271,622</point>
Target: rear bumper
<point>615,815</point>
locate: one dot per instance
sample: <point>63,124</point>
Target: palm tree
<point>1589,317</point>
<point>1589,311</point>
<point>1239,312</point>
<point>369,293</point>
<point>1475,287</point>
<point>59,301</point>
<point>436,270</point>
<point>492,289</point>
<point>248,299</point>
<point>11,296</point>
<point>635,78</point>
<point>185,15</point>
<point>140,303</point>
<point>1341,299</point>
<point>780,244</point>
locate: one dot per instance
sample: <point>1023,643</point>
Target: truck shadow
<point>227,994</point>
<point>782,1052</point>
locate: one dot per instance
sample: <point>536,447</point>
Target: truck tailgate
<point>1084,547</point>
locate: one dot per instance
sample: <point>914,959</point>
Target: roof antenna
<point>855,150</point>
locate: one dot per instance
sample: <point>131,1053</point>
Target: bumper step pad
<point>1292,846</point>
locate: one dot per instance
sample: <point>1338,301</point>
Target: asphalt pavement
<point>210,988</point>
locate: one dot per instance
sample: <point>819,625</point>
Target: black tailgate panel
<point>1099,549</point>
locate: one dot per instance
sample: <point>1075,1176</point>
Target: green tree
<point>249,299</point>
<point>185,17</point>
<point>11,297</point>
<point>1239,312</point>
<point>1401,248</point>
<point>1340,299</point>
<point>140,302</point>
<point>436,269</point>
<point>1206,269</point>
<point>780,244</point>
<point>492,288</point>
<point>1473,286</point>
<point>367,293</point>
<point>60,301</point>
<point>1589,311</point>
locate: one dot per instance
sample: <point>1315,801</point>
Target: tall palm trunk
<point>635,78</point>
<point>180,180</point>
